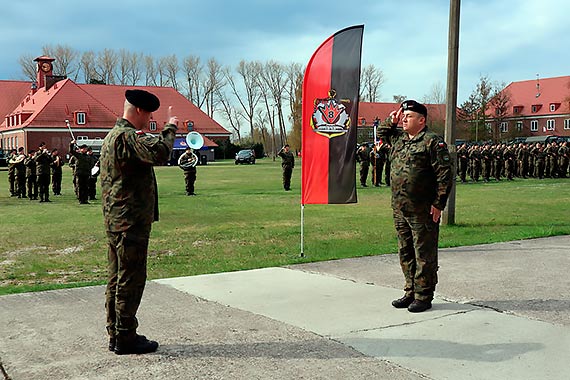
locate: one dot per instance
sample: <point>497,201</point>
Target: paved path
<point>502,312</point>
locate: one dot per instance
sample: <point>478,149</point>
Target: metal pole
<point>302,229</point>
<point>448,216</point>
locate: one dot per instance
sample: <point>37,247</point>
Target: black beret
<point>142,99</point>
<point>412,105</point>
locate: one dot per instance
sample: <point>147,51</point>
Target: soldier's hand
<point>396,115</point>
<point>172,119</point>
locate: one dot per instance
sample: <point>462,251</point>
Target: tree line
<point>258,97</point>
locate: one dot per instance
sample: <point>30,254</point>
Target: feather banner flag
<point>330,110</point>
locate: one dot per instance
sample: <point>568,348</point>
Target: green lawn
<point>242,219</point>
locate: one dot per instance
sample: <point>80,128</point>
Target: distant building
<point>34,112</point>
<point>536,108</point>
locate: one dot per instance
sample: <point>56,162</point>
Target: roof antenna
<point>537,86</point>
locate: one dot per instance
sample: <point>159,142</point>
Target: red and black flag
<point>330,109</point>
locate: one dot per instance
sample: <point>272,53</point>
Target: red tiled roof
<point>113,97</point>
<point>552,91</point>
<point>102,104</point>
<point>11,94</point>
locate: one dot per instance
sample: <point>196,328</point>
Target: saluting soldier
<point>20,172</point>
<point>463,158</point>
<point>130,205</point>
<point>287,164</point>
<point>476,163</point>
<point>540,161</point>
<point>509,159</point>
<point>421,179</point>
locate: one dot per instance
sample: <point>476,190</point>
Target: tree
<point>87,66</point>
<point>193,69</point>
<point>248,72</point>
<point>295,94</point>
<point>399,98</point>
<point>371,80</point>
<point>168,69</point>
<point>500,104</point>
<point>213,86</point>
<point>105,66</point>
<point>29,67</point>
<point>65,59</point>
<point>273,80</point>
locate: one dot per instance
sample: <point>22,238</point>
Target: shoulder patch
<point>441,144</point>
<point>139,132</point>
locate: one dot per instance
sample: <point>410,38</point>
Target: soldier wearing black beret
<point>130,206</point>
<point>421,177</point>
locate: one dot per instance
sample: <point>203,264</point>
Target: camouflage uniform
<point>189,171</point>
<point>287,163</point>
<point>56,174</point>
<point>82,171</point>
<point>31,176</point>
<point>130,205</point>
<point>363,156</point>
<point>44,160</point>
<point>421,177</point>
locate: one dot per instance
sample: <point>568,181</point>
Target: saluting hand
<point>396,115</point>
<point>172,119</point>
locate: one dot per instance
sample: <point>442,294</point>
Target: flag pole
<point>302,229</point>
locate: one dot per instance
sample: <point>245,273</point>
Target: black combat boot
<point>418,306</point>
<point>134,344</point>
<point>403,302</point>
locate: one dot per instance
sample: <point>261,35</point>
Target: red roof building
<point>538,107</point>
<point>32,112</point>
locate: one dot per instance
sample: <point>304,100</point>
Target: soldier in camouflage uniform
<point>421,179</point>
<point>130,205</point>
<point>287,163</point>
<point>564,159</point>
<point>363,157</point>
<point>31,175</point>
<point>12,172</point>
<point>44,160</point>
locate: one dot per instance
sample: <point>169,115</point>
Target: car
<point>3,158</point>
<point>245,156</point>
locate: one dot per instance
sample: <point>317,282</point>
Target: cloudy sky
<point>505,40</point>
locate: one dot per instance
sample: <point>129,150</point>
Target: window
<point>550,125</point>
<point>516,110</point>
<point>80,118</point>
<point>504,127</point>
<point>519,126</point>
<point>534,109</point>
<point>534,125</point>
<point>552,107</point>
<point>567,124</point>
<point>152,125</point>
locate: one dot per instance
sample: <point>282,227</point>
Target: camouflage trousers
<point>417,247</point>
<point>127,255</point>
<point>287,173</point>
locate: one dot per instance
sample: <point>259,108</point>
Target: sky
<point>509,40</point>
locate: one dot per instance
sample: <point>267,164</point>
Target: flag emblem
<point>330,118</point>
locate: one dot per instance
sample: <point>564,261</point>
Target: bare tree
<point>135,69</point>
<point>65,59</point>
<point>213,85</point>
<point>168,68</point>
<point>295,93</point>
<point>106,63</point>
<point>150,71</point>
<point>193,70</point>
<point>500,103</point>
<point>248,72</point>
<point>87,67</point>
<point>371,80</point>
<point>123,66</point>
<point>273,79</point>
<point>230,113</point>
<point>399,98</point>
<point>29,67</point>
<point>436,94</point>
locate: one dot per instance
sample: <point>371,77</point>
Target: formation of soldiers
<point>498,161</point>
<point>30,175</point>
<point>375,160</point>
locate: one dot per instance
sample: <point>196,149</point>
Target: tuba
<point>194,140</point>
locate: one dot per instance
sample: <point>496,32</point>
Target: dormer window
<point>536,107</point>
<point>554,106</point>
<point>80,118</point>
<point>152,125</point>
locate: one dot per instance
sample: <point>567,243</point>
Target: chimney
<point>44,69</point>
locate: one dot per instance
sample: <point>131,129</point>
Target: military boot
<point>403,302</point>
<point>134,344</point>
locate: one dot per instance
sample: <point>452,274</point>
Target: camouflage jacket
<point>128,184</point>
<point>421,172</point>
<point>287,159</point>
<point>44,161</point>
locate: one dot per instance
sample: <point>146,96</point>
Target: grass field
<point>242,219</point>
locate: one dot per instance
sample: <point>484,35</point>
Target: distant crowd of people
<point>30,175</point>
<point>497,161</point>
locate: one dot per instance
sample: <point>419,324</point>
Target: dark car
<point>3,158</point>
<point>245,156</point>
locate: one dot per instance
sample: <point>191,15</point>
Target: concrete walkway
<point>501,312</point>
